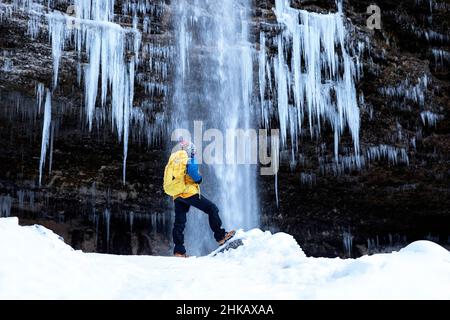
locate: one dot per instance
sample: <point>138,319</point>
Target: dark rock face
<point>331,212</point>
<point>85,179</point>
<point>384,204</point>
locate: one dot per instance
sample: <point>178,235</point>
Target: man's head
<point>187,146</point>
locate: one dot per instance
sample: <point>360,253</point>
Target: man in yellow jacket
<point>191,197</point>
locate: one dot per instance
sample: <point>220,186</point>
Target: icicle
<point>5,206</point>
<point>31,198</point>
<point>413,142</point>
<point>136,45</point>
<point>440,57</point>
<point>307,179</point>
<point>153,222</point>
<point>406,91</point>
<point>282,90</point>
<point>56,25</point>
<point>98,10</point>
<point>7,65</point>
<point>128,105</point>
<point>45,132</point>
<point>276,189</point>
<point>145,24</point>
<point>33,26</point>
<point>262,78</point>
<point>92,73</point>
<point>21,198</point>
<point>24,5</point>
<point>131,221</point>
<point>393,154</point>
<point>298,86</point>
<point>40,90</point>
<point>327,72</point>
<point>429,118</point>
<point>107,221</point>
<point>96,220</point>
<point>347,239</point>
<point>52,137</point>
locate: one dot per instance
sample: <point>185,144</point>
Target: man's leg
<point>211,210</point>
<point>181,208</point>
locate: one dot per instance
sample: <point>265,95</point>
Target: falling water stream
<point>214,83</point>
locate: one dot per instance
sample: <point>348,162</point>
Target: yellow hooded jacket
<point>192,188</point>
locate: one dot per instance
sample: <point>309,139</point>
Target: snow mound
<point>279,248</point>
<point>36,264</point>
<point>20,237</point>
<point>425,247</point>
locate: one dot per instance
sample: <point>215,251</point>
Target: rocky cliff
<point>396,191</point>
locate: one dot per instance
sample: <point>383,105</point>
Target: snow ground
<point>36,264</point>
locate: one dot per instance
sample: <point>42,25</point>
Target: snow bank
<point>36,264</point>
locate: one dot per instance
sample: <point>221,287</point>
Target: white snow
<point>36,264</point>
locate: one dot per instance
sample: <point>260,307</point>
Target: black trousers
<point>182,207</point>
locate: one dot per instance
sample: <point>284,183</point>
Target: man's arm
<point>192,171</point>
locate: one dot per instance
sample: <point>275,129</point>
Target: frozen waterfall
<point>317,83</point>
<point>105,44</point>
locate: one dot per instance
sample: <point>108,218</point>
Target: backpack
<point>175,172</point>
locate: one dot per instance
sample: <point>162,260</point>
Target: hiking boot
<point>227,237</point>
<point>181,255</point>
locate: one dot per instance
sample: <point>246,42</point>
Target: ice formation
<point>318,82</point>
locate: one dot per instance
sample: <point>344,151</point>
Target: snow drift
<point>36,264</point>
